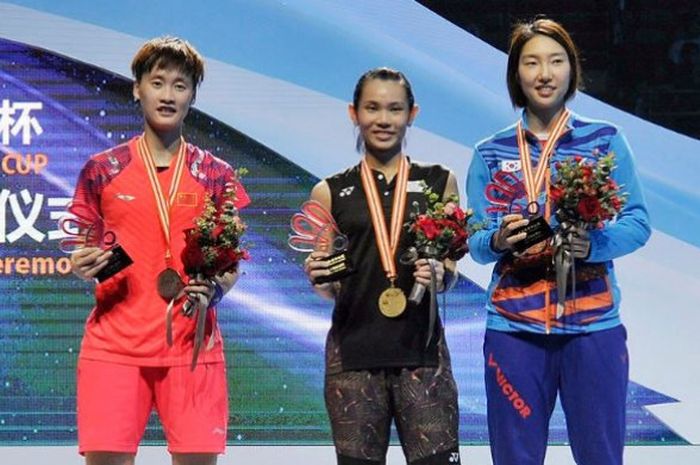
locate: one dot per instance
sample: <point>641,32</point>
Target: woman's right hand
<point>504,239</point>
<point>88,261</point>
<point>315,266</point>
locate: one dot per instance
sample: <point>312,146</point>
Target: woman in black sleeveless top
<point>378,367</point>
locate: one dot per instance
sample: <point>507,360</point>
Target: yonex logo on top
<point>346,191</point>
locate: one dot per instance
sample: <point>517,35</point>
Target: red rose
<point>428,227</point>
<point>227,259</point>
<point>461,232</point>
<point>192,256</point>
<point>415,226</point>
<point>192,259</point>
<point>218,229</point>
<point>459,214</point>
<point>221,262</point>
<point>556,193</point>
<point>444,224</point>
<point>589,208</point>
<point>458,245</point>
<point>192,236</point>
<point>459,238</point>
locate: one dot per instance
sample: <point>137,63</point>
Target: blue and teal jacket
<point>522,295</point>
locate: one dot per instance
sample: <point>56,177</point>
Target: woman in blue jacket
<point>532,352</point>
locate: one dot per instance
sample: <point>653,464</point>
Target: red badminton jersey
<point>127,324</point>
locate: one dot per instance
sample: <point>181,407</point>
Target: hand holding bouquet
<point>212,247</point>
<point>584,196</point>
<point>441,233</point>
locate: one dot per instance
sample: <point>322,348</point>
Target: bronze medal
<point>392,302</point>
<point>169,284</point>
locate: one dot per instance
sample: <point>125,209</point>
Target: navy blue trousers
<point>524,372</point>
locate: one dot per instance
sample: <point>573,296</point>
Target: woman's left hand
<point>200,289</point>
<point>577,240</point>
<point>422,272</point>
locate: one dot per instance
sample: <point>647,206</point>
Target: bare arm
<point>315,266</point>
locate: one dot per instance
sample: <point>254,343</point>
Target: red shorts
<point>115,401</point>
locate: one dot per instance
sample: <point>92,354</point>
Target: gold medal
<point>392,302</point>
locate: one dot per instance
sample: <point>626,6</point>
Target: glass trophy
<point>84,227</point>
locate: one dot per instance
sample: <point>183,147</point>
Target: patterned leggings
<point>422,401</point>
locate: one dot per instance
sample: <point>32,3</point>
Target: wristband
<point>218,295</point>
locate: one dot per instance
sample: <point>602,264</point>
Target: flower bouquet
<point>584,196</point>
<point>213,247</point>
<point>441,233</point>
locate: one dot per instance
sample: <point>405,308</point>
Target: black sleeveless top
<point>367,339</point>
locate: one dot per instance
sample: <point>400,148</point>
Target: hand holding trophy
<point>95,252</point>
<point>314,231</point>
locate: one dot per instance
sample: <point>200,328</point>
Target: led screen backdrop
<point>74,110</point>
<point>286,123</point>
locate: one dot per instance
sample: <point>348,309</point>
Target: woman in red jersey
<point>146,192</point>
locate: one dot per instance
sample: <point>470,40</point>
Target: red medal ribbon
<point>164,206</point>
<point>387,241</point>
<point>534,183</point>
